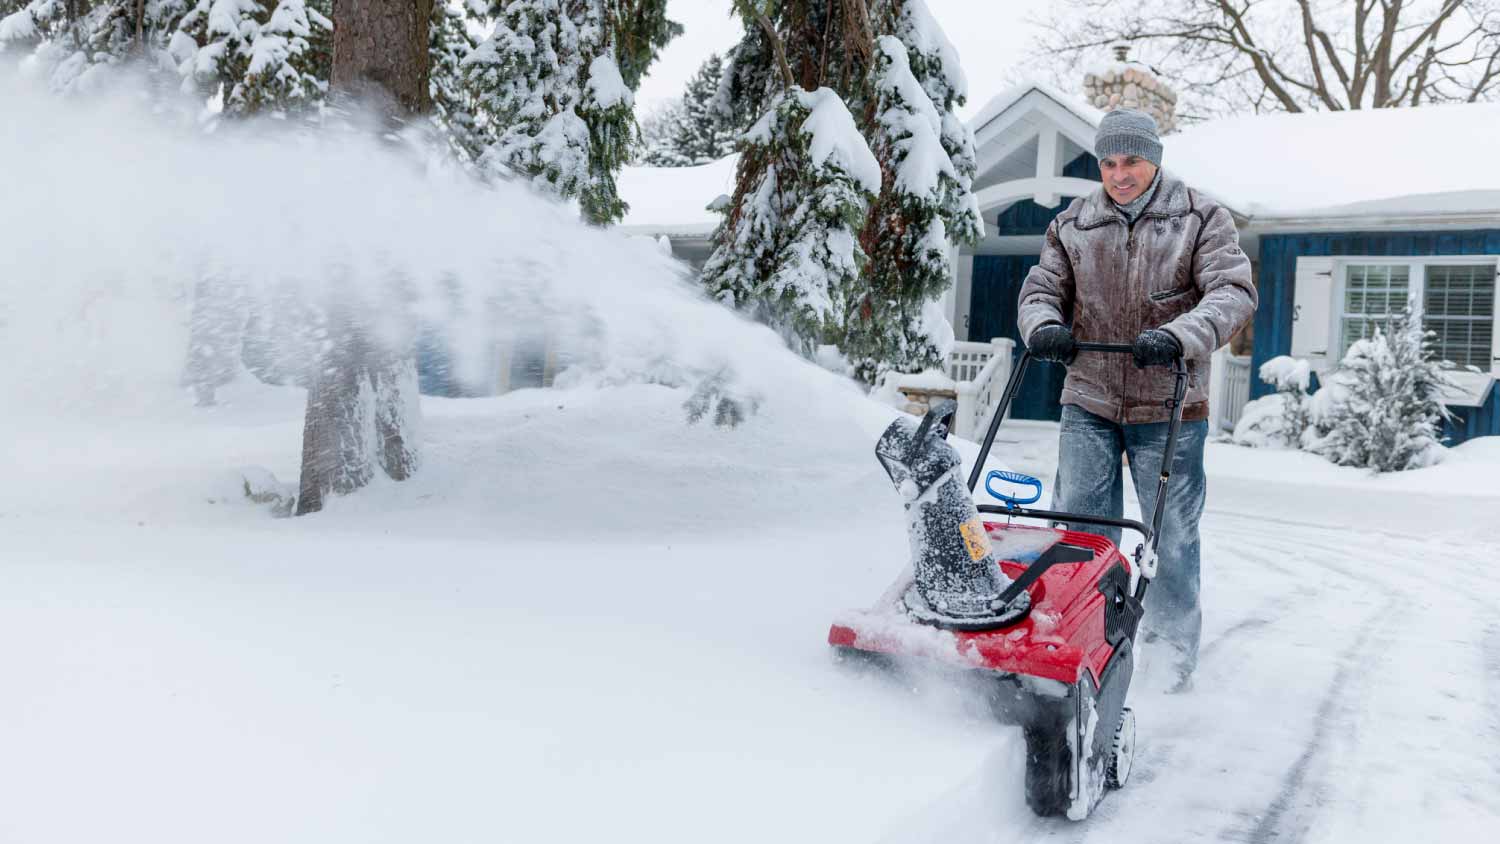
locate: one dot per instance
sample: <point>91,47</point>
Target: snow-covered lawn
<point>587,620</point>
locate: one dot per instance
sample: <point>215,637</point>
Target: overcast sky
<point>991,36</point>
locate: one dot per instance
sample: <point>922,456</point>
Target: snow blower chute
<point>1046,616</point>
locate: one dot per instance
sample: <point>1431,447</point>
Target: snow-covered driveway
<point>569,629</point>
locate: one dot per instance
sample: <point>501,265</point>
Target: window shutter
<point>1311,309</point>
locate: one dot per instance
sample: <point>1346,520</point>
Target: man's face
<point>1126,176</point>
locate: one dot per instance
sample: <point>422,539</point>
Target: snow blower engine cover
<point>957,581</point>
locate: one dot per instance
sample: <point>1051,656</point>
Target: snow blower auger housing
<point>1046,616</point>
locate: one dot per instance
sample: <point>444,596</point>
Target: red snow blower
<point>1046,617</point>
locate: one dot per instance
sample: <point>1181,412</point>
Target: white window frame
<point>1416,285</point>
<point>1473,386</point>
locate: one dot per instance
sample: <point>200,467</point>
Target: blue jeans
<point>1089,481</point>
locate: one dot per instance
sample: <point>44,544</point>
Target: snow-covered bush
<point>1383,409</point>
<point>1279,420</point>
<point>1379,410</point>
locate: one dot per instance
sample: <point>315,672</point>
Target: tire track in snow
<point>1287,816</point>
<point>1384,561</point>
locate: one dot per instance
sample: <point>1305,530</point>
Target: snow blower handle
<point>1174,404</point>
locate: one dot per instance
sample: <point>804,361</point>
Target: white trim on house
<point>1045,191</point>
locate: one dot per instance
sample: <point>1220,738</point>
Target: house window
<point>1373,295</point>
<point>1458,305</point>
<point>1455,299</point>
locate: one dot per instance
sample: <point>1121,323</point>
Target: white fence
<point>1232,372</point>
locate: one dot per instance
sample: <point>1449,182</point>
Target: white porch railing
<point>979,384</point>
<point>978,372</point>
<point>1228,402</point>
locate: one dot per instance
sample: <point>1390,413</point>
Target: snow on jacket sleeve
<point>1222,272</point>
<point>1047,294</point>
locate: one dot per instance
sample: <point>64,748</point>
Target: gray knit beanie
<point>1128,132</point>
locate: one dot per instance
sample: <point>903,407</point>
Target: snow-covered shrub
<point>1383,410</point>
<point>1279,420</point>
<point>1262,423</point>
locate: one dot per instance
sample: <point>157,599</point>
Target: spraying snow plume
<point>117,222</point>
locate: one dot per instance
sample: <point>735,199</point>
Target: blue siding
<point>1277,283</point>
<point>1470,422</point>
<point>1026,217</point>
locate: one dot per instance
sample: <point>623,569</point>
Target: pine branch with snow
<point>454,108</point>
<point>892,324</point>
<point>550,78</point>
<point>75,45</point>
<point>788,249</point>
<point>212,46</point>
<point>900,75</point>
<point>281,74</point>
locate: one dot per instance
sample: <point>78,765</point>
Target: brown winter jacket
<point>1179,268</point>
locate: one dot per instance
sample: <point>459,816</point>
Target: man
<point>1144,260</point>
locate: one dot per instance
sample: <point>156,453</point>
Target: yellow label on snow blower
<point>976,539</point>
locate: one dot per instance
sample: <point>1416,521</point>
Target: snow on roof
<point>1388,161</point>
<point>1414,206</point>
<point>674,200</point>
<point>1385,162</point>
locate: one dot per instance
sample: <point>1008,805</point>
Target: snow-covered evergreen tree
<point>788,249</point>
<point>658,127</point>
<point>551,78</point>
<point>699,132</point>
<point>27,24</point>
<point>453,107</point>
<point>900,75</point>
<point>1385,411</point>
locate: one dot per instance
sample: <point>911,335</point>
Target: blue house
<point>1347,217</point>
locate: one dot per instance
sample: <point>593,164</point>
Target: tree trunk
<point>380,52</point>
<point>362,402</point>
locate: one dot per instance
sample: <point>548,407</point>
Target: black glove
<point>1055,343</point>
<point>1155,348</point>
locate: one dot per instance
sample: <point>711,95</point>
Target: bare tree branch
<point>1347,55</point>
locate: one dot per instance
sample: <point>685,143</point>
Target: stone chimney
<point>1129,84</point>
